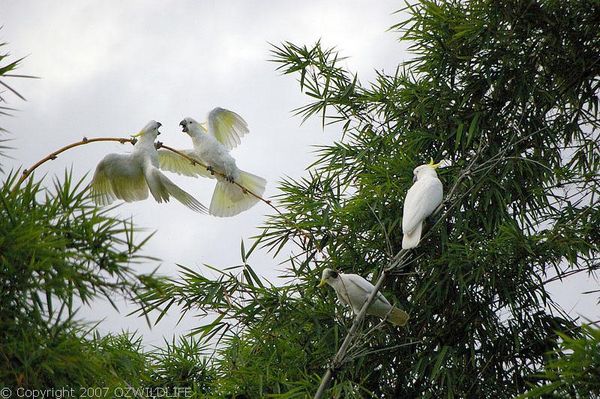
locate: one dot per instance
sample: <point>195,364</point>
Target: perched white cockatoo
<point>354,290</point>
<point>212,149</point>
<point>422,199</point>
<point>129,176</point>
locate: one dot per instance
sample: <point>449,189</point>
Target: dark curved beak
<point>159,125</point>
<point>183,126</point>
<point>414,179</point>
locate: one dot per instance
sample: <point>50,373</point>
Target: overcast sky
<point>108,67</point>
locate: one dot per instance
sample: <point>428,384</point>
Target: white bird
<point>129,176</point>
<point>225,128</point>
<point>422,199</point>
<point>354,290</point>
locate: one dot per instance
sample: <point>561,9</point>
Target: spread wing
<point>360,289</point>
<point>227,127</point>
<point>421,200</point>
<point>173,162</point>
<point>117,176</point>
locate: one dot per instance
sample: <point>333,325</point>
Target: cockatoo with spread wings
<point>129,176</point>
<point>211,147</point>
<point>424,196</point>
<point>354,290</point>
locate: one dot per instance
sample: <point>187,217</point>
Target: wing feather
<point>175,163</point>
<point>117,177</point>
<point>421,200</point>
<point>358,284</point>
<point>227,127</point>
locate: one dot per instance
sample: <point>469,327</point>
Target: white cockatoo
<point>354,290</point>
<point>424,196</point>
<point>129,176</point>
<point>211,147</point>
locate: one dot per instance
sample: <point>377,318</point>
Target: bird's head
<point>426,169</point>
<point>150,130</point>
<point>190,124</point>
<point>186,124</point>
<point>328,277</point>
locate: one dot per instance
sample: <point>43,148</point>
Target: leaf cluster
<point>57,252</point>
<point>573,369</point>
<point>7,67</point>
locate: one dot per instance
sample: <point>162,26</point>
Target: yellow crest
<point>434,165</point>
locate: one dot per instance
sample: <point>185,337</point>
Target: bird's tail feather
<point>229,200</point>
<point>398,316</point>
<point>411,240</point>
<point>162,188</point>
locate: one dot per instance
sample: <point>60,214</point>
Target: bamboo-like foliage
<point>508,87</point>
<point>574,369</point>
<point>7,67</point>
<point>57,251</point>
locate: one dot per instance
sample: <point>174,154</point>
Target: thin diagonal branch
<point>399,260</point>
<point>53,155</point>
<point>27,172</point>
<point>338,359</point>
<point>194,161</point>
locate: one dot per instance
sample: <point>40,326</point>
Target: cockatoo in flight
<point>424,196</point>
<point>354,290</point>
<point>129,176</point>
<point>211,147</point>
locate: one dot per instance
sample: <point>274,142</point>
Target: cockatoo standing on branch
<point>129,176</point>
<point>211,147</point>
<point>354,290</point>
<point>424,196</point>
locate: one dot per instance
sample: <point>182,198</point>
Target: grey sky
<point>108,67</point>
